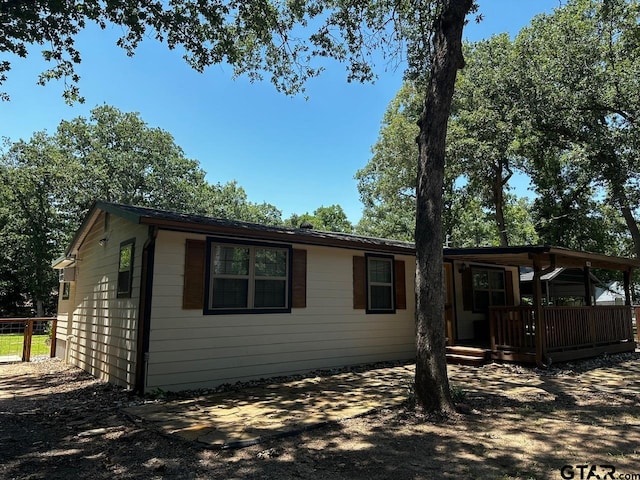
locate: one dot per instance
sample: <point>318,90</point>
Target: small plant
<point>458,394</point>
<point>157,394</point>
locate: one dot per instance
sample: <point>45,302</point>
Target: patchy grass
<point>11,344</point>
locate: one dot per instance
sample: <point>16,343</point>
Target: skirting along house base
<point>151,299</point>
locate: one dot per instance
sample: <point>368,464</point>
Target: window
<point>125,269</point>
<point>489,288</point>
<point>380,289</point>
<point>248,278</point>
<point>66,290</point>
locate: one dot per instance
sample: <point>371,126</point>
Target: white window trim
<point>391,285</point>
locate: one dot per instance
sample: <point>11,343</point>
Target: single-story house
<point>561,286</point>
<point>565,286</point>
<point>611,293</point>
<point>151,299</point>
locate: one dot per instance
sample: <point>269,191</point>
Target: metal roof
<point>210,225</point>
<point>544,256</point>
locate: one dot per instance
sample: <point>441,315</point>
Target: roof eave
<point>293,236</point>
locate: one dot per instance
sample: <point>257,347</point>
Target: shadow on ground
<point>524,424</point>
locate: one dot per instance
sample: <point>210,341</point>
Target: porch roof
<point>547,257</point>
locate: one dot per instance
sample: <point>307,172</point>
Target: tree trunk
<point>616,179</point>
<point>498,200</point>
<point>431,382</point>
<point>39,308</point>
<point>632,225</point>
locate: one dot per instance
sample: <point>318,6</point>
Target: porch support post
<point>587,285</point>
<point>627,287</point>
<point>538,313</point>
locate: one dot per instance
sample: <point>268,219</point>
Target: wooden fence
<point>570,332</point>
<point>27,328</point>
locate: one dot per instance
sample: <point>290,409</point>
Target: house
<point>565,286</point>
<point>160,300</point>
<point>152,299</point>
<point>611,293</point>
<point>561,286</point>
<point>540,333</point>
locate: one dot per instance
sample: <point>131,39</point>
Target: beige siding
<point>191,350</point>
<point>102,329</point>
<point>65,311</point>
<point>65,318</point>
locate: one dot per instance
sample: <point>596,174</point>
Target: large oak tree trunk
<point>632,225</point>
<point>498,200</point>
<point>431,382</point>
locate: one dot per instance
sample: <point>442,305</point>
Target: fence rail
<point>27,329</point>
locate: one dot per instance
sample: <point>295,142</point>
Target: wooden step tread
<point>465,359</point>
<point>469,351</point>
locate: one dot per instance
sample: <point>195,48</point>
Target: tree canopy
<point>483,152</point>
<point>580,85</point>
<point>559,104</point>
<point>330,219</point>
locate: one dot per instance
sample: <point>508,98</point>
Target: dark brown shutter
<point>359,283</point>
<point>401,287</point>
<point>299,279</point>
<point>194,268</point>
<point>508,279</point>
<point>467,289</point>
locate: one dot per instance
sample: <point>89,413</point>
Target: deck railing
<point>512,333</point>
<point>570,332</point>
<point>17,336</point>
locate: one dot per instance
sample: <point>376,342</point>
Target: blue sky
<point>295,153</point>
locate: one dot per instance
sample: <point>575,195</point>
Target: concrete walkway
<point>250,415</point>
<point>253,414</point>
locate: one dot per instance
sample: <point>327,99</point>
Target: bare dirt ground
<point>57,422</point>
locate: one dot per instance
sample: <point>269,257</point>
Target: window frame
<point>392,285</point>
<point>490,290</point>
<point>66,290</point>
<point>251,277</point>
<point>122,292</point>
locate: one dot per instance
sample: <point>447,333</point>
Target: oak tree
<point>282,39</point>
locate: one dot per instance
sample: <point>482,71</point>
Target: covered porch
<point>543,334</point>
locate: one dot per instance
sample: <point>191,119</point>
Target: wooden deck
<point>571,333</point>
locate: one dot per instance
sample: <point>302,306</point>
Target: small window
<point>380,284</point>
<point>66,290</point>
<point>248,278</point>
<point>489,289</point>
<point>125,269</point>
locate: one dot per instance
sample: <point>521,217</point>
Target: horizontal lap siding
<point>64,313</point>
<point>103,328</point>
<point>191,350</point>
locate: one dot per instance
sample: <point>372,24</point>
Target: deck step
<point>474,361</point>
<point>461,355</point>
<point>469,351</point>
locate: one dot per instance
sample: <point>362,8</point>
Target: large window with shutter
<point>247,278</point>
